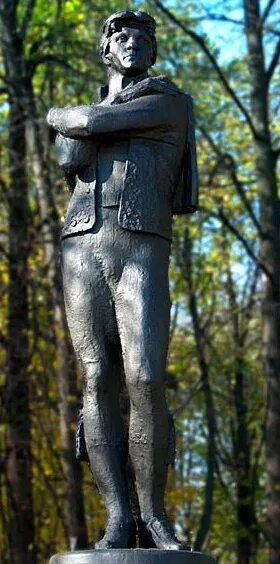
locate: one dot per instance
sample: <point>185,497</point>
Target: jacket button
<point>73,222</point>
<point>86,219</point>
<point>88,191</point>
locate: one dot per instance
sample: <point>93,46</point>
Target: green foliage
<point>62,62</point>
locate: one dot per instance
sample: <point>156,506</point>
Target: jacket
<point>155,118</point>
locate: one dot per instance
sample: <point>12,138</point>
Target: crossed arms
<point>148,112</point>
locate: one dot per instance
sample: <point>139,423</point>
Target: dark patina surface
<point>130,164</point>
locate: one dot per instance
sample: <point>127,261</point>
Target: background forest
<point>223,373</point>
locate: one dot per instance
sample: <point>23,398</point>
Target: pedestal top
<point>132,556</point>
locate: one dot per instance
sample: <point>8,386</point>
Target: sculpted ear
<point>107,59</point>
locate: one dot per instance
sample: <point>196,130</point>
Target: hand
<point>51,117</point>
<point>69,121</point>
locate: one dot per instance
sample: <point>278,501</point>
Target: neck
<point>117,82</point>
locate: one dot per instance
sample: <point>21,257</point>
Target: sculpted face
<point>130,51</point>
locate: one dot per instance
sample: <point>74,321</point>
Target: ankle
<point>121,517</point>
<point>149,517</point>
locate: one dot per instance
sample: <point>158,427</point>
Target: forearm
<point>147,113</point>
<point>70,122</point>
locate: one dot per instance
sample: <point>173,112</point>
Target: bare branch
<point>48,58</point>
<point>272,31</point>
<point>231,166</point>
<point>221,18</point>
<point>247,311</point>
<point>266,11</point>
<point>200,41</point>
<point>174,320</point>
<point>274,62</point>
<point>228,161</point>
<point>211,142</point>
<point>240,23</point>
<point>27,17</point>
<point>187,271</point>
<point>245,243</point>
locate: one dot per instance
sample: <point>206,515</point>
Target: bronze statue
<point>130,162</point>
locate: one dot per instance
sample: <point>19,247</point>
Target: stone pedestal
<point>131,556</point>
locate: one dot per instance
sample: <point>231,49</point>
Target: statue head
<point>128,42</point>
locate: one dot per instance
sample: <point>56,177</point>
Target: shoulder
<point>151,85</point>
<point>175,97</point>
<point>166,86</point>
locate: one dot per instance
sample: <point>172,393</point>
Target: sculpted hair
<point>127,18</point>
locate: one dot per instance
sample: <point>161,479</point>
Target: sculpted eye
<point>143,39</point>
<point>122,37</point>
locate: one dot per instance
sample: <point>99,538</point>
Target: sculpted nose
<point>132,44</point>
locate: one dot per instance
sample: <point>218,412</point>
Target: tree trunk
<point>205,520</point>
<point>245,511</point>
<point>18,455</point>
<point>266,178</point>
<point>67,372</point>
<point>18,462</point>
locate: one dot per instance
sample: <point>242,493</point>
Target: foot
<point>144,537</point>
<point>119,534</point>
<point>163,535</point>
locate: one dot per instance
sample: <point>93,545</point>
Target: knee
<point>145,371</point>
<point>95,377</point>
<point>146,388</point>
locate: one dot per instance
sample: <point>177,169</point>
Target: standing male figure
<point>130,162</point>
